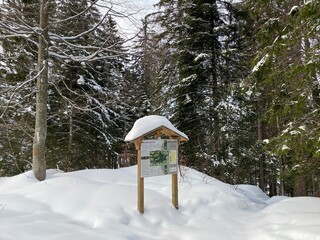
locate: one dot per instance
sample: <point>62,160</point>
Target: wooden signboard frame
<point>174,177</point>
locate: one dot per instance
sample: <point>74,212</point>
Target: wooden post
<point>174,179</point>
<point>161,127</point>
<point>175,190</point>
<point>140,181</point>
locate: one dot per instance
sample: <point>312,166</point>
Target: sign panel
<point>159,157</point>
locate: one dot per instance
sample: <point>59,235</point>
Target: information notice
<point>159,157</point>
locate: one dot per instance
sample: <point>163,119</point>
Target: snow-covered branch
<point>73,38</point>
<point>74,16</point>
<point>16,88</point>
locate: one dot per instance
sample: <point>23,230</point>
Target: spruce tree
<point>204,45</point>
<point>285,79</point>
<point>18,58</point>
<point>90,114</point>
<point>199,89</point>
<point>85,64</point>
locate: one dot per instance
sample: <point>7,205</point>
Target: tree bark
<point>300,186</point>
<point>262,182</point>
<point>39,141</point>
<point>70,149</point>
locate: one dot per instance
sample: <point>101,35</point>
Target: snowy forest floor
<point>101,204</point>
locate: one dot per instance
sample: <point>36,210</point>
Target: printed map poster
<point>159,157</point>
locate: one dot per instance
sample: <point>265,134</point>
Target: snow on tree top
<point>147,124</point>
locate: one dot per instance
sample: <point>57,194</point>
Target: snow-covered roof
<point>144,126</point>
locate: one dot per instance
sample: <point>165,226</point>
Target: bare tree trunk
<point>262,182</point>
<point>316,184</point>
<point>300,186</point>
<point>70,149</point>
<point>39,141</point>
<point>282,192</point>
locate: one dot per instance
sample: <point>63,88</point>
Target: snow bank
<point>292,218</point>
<point>253,194</point>
<point>101,204</point>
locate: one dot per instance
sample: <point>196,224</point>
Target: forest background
<point>240,78</point>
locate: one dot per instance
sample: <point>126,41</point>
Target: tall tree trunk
<point>39,141</point>
<point>281,167</point>
<point>262,182</point>
<point>282,183</point>
<point>70,143</point>
<point>300,186</point>
<point>316,188</point>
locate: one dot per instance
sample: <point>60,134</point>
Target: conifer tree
<point>18,58</point>
<point>91,90</point>
<point>85,66</point>
<point>203,42</point>
<point>284,79</point>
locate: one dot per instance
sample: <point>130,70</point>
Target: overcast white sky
<point>135,10</point>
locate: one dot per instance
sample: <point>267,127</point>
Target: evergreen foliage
<point>284,80</point>
<point>18,61</point>
<point>240,78</point>
<point>90,113</point>
<point>204,42</point>
<point>85,103</point>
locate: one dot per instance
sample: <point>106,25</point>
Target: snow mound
<point>291,218</point>
<point>101,204</point>
<point>254,194</point>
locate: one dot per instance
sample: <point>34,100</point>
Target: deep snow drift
<point>101,204</point>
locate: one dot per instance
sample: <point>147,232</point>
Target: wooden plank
<point>175,190</point>
<point>174,179</point>
<point>159,133</point>
<point>141,195</point>
<point>140,180</point>
<point>137,143</point>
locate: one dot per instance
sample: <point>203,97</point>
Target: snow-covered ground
<point>101,204</point>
